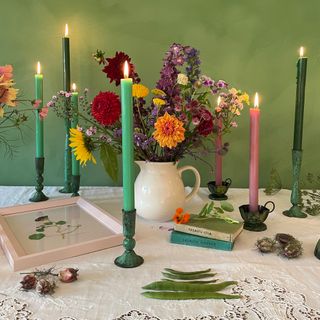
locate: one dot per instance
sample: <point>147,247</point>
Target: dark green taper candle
<point>300,92</point>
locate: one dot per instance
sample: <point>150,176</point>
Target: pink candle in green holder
<point>39,121</point>
<point>218,156</point>
<point>254,156</point>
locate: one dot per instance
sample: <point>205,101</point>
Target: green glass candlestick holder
<point>75,185</point>
<point>129,259</point>
<point>317,250</point>
<point>295,210</point>
<point>254,221</point>
<point>39,195</point>
<point>67,188</point>
<point>219,192</point>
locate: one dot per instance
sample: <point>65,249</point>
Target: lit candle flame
<point>256,100</point>
<point>38,68</point>
<point>301,51</point>
<point>126,70</point>
<point>74,87</point>
<point>219,100</point>
<point>66,31</point>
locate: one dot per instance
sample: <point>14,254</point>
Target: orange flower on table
<point>169,131</point>
<point>180,217</point>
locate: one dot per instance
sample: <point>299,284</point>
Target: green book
<point>196,241</point>
<point>213,228</point>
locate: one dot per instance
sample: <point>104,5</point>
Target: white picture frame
<point>43,232</point>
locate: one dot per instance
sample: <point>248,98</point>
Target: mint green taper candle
<point>127,141</point>
<point>39,122</point>
<point>74,124</point>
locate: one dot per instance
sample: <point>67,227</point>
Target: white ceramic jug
<point>159,189</point>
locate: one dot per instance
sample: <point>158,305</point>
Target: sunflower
<point>82,146</point>
<point>169,131</point>
<point>139,91</point>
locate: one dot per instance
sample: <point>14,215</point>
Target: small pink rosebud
<point>36,103</point>
<point>68,275</point>
<point>44,112</point>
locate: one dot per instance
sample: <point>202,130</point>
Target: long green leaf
<point>109,159</point>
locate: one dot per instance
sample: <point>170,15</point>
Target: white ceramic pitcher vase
<point>159,189</point>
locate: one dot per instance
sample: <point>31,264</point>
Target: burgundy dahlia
<point>106,108</point>
<point>206,124</point>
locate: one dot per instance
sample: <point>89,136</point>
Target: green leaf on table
<point>109,159</point>
<point>48,223</point>
<point>60,223</point>
<point>40,229</point>
<point>37,236</point>
<point>227,206</point>
<point>218,210</point>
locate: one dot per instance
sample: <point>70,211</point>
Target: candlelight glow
<point>38,68</point>
<point>74,87</point>
<point>256,100</point>
<point>219,100</point>
<point>301,51</point>
<point>126,70</point>
<point>66,32</point>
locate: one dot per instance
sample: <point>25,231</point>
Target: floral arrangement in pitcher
<point>170,121</point>
<point>10,116</point>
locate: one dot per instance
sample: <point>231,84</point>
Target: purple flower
<point>117,133</point>
<point>91,131</point>
<point>221,84</point>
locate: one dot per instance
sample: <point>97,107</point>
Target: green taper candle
<point>74,124</point>
<point>39,122</point>
<point>127,140</point>
<point>300,92</point>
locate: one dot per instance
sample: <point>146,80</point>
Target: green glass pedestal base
<point>129,259</point>
<point>317,250</point>
<point>66,189</point>
<point>218,197</point>
<point>75,185</point>
<point>294,212</point>
<point>255,227</point>
<point>38,196</point>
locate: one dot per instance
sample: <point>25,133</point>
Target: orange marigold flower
<point>169,131</point>
<point>180,217</point>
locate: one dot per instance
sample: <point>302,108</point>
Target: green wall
<point>252,44</point>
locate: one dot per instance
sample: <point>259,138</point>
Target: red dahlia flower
<point>106,108</point>
<point>114,68</point>
<point>205,126</point>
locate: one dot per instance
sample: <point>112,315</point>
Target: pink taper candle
<point>218,154</point>
<point>254,156</point>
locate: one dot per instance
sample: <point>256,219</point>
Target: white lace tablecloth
<point>272,287</point>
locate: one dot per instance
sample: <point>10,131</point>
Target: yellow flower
<point>139,91</point>
<point>235,110</point>
<point>1,112</point>
<point>158,101</point>
<point>245,98</point>
<point>8,96</point>
<point>82,148</point>
<point>233,91</point>
<point>169,131</point>
<point>158,92</point>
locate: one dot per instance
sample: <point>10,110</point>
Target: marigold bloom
<point>139,91</point>
<point>82,147</point>
<point>158,92</point>
<point>169,131</point>
<point>158,101</point>
<point>180,217</point>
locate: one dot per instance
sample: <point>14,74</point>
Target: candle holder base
<point>66,189</point>
<point>129,259</point>
<point>75,185</point>
<point>317,250</point>
<point>294,212</point>
<point>254,221</point>
<point>39,195</point>
<point>219,192</point>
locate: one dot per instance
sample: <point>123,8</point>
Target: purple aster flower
<point>221,84</point>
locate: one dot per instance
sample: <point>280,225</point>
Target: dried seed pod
<point>266,245</point>
<point>292,249</point>
<point>68,275</point>
<point>45,286</point>
<point>284,238</point>
<point>29,282</point>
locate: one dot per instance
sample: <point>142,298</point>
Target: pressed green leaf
<point>218,209</point>
<point>61,222</point>
<point>109,159</point>
<point>227,206</point>
<point>40,229</point>
<point>37,236</point>
<point>48,223</point>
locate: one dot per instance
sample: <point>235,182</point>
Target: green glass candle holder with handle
<point>254,221</point>
<point>219,192</point>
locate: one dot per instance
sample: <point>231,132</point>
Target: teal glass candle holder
<point>254,221</point>
<point>219,192</point>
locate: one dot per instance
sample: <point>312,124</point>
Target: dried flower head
<point>266,245</point>
<point>68,275</point>
<point>45,286</point>
<point>28,282</point>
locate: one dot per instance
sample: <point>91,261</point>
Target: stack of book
<point>208,233</point>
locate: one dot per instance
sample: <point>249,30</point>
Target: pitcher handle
<point>197,182</point>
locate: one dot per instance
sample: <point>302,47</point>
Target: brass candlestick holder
<point>219,192</point>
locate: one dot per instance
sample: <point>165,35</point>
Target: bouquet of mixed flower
<point>175,121</point>
<point>10,116</point>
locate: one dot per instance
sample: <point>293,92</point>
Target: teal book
<point>213,228</point>
<point>197,241</point>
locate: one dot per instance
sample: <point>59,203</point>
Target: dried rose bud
<point>28,282</point>
<point>284,238</point>
<point>45,286</point>
<point>68,275</point>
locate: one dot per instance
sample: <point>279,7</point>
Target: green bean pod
<point>186,273</point>
<point>169,295</point>
<point>195,281</point>
<point>188,276</point>
<point>191,287</point>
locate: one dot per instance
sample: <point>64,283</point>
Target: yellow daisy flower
<point>233,91</point>
<point>169,131</point>
<point>139,91</point>
<point>245,98</point>
<point>158,92</point>
<point>158,101</point>
<point>235,110</point>
<point>81,147</point>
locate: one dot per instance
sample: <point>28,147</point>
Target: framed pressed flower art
<point>43,232</point>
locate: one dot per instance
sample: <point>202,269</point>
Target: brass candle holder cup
<point>219,192</point>
<point>254,221</point>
